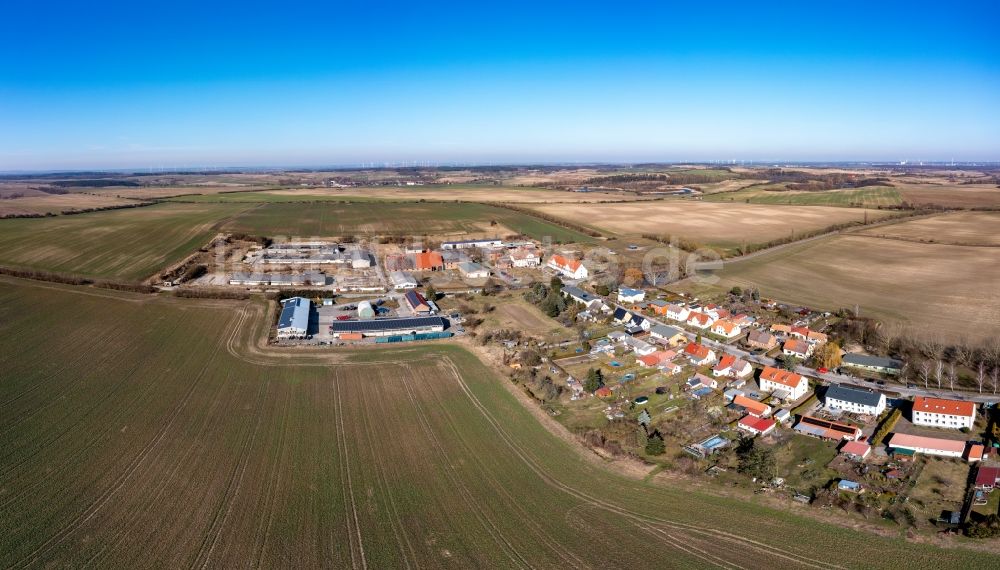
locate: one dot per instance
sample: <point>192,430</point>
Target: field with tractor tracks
<point>140,431</point>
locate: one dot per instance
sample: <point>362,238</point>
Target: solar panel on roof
<point>386,324</point>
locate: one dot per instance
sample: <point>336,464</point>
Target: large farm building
<point>387,327</point>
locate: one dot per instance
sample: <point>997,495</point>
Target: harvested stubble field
<point>130,244</point>
<point>951,195</point>
<point>956,228</point>
<point>437,219</point>
<point>868,197</point>
<point>56,203</point>
<point>723,225</point>
<point>938,290</point>
<point>157,432</point>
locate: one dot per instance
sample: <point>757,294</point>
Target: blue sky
<point>168,84</point>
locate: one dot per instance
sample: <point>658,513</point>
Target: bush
<point>655,445</point>
<point>887,426</point>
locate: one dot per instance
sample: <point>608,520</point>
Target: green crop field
<point>868,197</point>
<point>399,218</point>
<point>155,432</point>
<point>131,244</point>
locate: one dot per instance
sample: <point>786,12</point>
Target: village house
<point>699,380</point>
<point>761,339</point>
<point>699,320</point>
<point>755,425</point>
<point>726,328</point>
<point>670,336</point>
<point>938,412</point>
<point>571,268</point>
<point>715,311</point>
<point>677,312</point>
<point>803,333</point>
<point>699,355</point>
<point>659,307</point>
<point>987,478</point>
<point>639,346</point>
<point>783,384</point>
<point>854,400</point>
<point>729,365</point>
<point>632,321</point>
<point>577,294</point>
<point>629,295</point>
<point>417,303</point>
<point>856,450</point>
<point>877,364</point>
<point>779,328</point>
<point>752,407</point>
<point>525,257</point>
<point>797,348</point>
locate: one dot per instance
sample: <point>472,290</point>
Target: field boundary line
<point>350,486</point>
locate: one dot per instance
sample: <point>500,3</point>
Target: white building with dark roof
<point>854,400</point>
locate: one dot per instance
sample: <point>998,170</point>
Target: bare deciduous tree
<point>951,376</point>
<point>925,372</point>
<point>938,372</point>
<point>981,375</point>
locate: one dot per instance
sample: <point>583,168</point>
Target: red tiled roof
<point>725,325</point>
<point>649,359</point>
<point>987,476</point>
<point>756,423</point>
<point>752,406</point>
<point>858,448</point>
<point>726,361</point>
<point>700,317</point>
<point>941,406</point>
<point>783,377</point>
<point>603,392</point>
<point>571,264</point>
<point>427,260</point>
<point>698,351</point>
<point>797,346</point>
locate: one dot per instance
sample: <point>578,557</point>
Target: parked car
<point>344,318</point>
<point>823,370</point>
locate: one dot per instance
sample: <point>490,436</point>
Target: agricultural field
<point>57,203</point>
<point>930,288</point>
<point>449,192</point>
<point>393,218</point>
<point>867,197</point>
<point>951,195</point>
<point>161,192</point>
<point>191,445</point>
<point>722,225</point>
<point>955,228</point>
<point>129,244</point>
